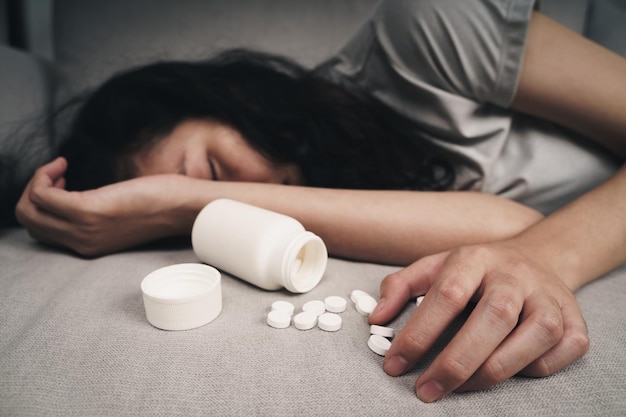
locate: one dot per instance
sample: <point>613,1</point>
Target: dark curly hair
<point>339,136</point>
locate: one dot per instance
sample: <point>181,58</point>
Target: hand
<point>103,220</point>
<point>526,321</point>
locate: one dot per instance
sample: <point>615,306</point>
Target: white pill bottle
<point>267,249</point>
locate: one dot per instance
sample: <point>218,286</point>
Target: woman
<point>454,86</point>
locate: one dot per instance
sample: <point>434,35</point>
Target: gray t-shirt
<point>452,68</point>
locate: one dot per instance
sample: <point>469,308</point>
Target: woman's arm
<point>393,227</point>
<point>574,82</point>
<point>526,319</point>
<point>581,85</point>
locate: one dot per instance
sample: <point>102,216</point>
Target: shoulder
<point>472,48</point>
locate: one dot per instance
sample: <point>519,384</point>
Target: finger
<point>540,328</point>
<point>46,190</point>
<point>572,346</point>
<point>460,275</point>
<point>41,178</point>
<point>59,183</point>
<point>57,201</point>
<point>397,288</point>
<point>47,174</point>
<point>492,320</point>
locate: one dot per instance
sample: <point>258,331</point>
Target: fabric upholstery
<point>74,341</point>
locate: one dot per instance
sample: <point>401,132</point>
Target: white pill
<point>381,330</point>
<point>356,294</point>
<point>335,304</point>
<point>278,319</point>
<point>365,305</point>
<point>305,320</point>
<point>329,322</point>
<point>379,344</point>
<point>419,300</point>
<point>284,306</point>
<point>316,307</point>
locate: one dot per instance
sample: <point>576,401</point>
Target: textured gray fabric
<point>606,24</point>
<point>454,91</point>
<point>94,39</point>
<point>24,140</point>
<point>74,341</point>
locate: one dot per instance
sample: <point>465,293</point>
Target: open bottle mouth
<point>304,263</point>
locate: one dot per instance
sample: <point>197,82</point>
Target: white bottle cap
<point>182,296</point>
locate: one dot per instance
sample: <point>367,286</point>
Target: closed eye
<point>213,170</point>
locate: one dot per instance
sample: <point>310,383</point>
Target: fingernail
<point>395,365</point>
<point>430,391</point>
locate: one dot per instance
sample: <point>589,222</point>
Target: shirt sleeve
<point>471,48</point>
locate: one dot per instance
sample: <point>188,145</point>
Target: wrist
<point>188,196</point>
<point>557,260</point>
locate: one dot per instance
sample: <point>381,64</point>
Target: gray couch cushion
<point>24,139</point>
<point>606,24</point>
<point>95,39</point>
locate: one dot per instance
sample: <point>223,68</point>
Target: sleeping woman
<point>466,141</point>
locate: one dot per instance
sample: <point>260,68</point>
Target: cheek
<point>153,163</point>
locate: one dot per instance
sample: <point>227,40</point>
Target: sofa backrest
<point>94,39</point>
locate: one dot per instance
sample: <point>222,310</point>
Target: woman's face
<point>212,151</point>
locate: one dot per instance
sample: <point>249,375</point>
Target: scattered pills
<point>379,344</point>
<point>335,304</point>
<point>284,306</point>
<point>317,307</point>
<point>419,300</point>
<point>356,294</point>
<point>278,319</point>
<point>324,315</point>
<point>329,322</point>
<point>365,305</point>
<point>381,330</point>
<point>305,320</point>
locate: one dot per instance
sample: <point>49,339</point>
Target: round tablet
<point>335,304</point>
<point>316,307</point>
<point>381,330</point>
<point>329,322</point>
<point>419,300</point>
<point>305,320</point>
<point>379,344</point>
<point>365,305</point>
<point>278,319</point>
<point>356,294</point>
<point>284,306</point>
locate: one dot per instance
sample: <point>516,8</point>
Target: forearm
<point>585,239</point>
<point>394,227</point>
